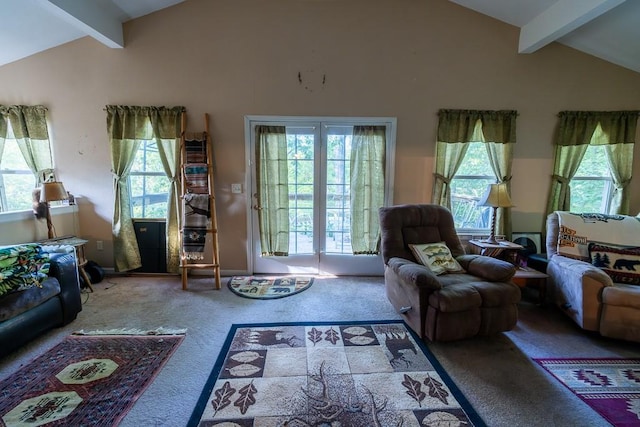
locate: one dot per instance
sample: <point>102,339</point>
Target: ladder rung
<point>200,266</point>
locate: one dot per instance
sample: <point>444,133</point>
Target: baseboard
<point>195,272</point>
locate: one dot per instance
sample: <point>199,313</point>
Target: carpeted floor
<point>497,375</point>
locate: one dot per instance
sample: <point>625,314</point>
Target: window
<point>16,180</point>
<point>468,185</point>
<point>148,183</point>
<point>592,186</point>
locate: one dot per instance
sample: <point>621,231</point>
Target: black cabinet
<point>152,242</point>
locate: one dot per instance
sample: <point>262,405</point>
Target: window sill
<point>14,216</point>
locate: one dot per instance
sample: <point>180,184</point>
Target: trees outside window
<point>592,186</point>
<point>16,180</point>
<point>148,183</point>
<point>468,185</point>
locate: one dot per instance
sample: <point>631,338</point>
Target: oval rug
<point>268,287</point>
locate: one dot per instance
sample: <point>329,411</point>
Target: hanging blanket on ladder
<point>196,148</point>
<point>197,178</point>
<point>196,217</point>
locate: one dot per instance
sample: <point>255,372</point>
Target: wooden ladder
<point>198,186</point>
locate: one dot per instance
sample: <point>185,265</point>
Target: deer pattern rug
<point>350,374</point>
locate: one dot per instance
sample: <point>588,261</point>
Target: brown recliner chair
<point>480,301</point>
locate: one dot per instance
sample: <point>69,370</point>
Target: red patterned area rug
<point>610,386</point>
<point>85,380</point>
<point>356,374</point>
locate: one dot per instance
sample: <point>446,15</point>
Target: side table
<point>78,245</point>
<point>503,249</point>
<point>528,277</point>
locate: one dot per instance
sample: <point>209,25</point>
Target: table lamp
<point>496,196</point>
<point>49,192</point>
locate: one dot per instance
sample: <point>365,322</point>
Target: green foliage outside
<point>301,174</point>
<point>148,183</point>
<point>588,195</point>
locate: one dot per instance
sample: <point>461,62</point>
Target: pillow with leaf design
<point>437,257</point>
<point>22,267</point>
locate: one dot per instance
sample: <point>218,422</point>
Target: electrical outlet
<point>236,188</point>
<point>100,245</point>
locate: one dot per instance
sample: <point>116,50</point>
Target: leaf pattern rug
<point>357,374</point>
<point>609,386</point>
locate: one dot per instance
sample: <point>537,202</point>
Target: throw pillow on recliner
<point>622,264</point>
<point>437,257</point>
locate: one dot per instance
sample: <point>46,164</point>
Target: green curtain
<point>578,129</point>
<point>620,158</point>
<point>500,156</point>
<point>127,127</point>
<point>3,137</point>
<point>457,128</point>
<point>273,190</point>
<point>367,187</point>
<point>29,125</point>
<point>166,124</point>
<point>449,156</point>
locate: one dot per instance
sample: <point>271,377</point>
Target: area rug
<point>610,386</point>
<point>265,287</point>
<point>356,374</point>
<point>84,380</point>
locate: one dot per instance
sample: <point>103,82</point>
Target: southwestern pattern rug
<point>84,380</point>
<point>610,386</point>
<point>264,287</point>
<point>356,374</point>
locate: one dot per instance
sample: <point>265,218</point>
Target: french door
<point>318,176</point>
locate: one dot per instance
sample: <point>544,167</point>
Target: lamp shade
<point>51,191</point>
<point>496,196</point>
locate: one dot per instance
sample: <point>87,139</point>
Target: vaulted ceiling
<point>607,29</point>
<point>31,26</point>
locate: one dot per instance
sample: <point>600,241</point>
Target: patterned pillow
<point>22,267</point>
<point>437,257</point>
<point>622,264</point>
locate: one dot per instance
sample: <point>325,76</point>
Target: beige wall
<point>231,58</point>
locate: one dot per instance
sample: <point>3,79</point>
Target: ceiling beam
<point>99,19</point>
<point>560,19</point>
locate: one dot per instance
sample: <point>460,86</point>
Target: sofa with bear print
<point>594,271</point>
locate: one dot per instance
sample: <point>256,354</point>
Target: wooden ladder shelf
<point>199,225</point>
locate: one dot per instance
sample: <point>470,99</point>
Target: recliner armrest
<point>488,268</point>
<point>574,270</point>
<point>412,272</point>
<point>64,268</point>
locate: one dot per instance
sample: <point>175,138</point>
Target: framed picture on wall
<point>530,241</point>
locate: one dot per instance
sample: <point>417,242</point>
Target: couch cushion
<point>18,302</point>
<point>437,257</point>
<point>497,294</point>
<point>453,298</point>
<point>622,296</point>
<point>622,264</point>
<point>22,267</point>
